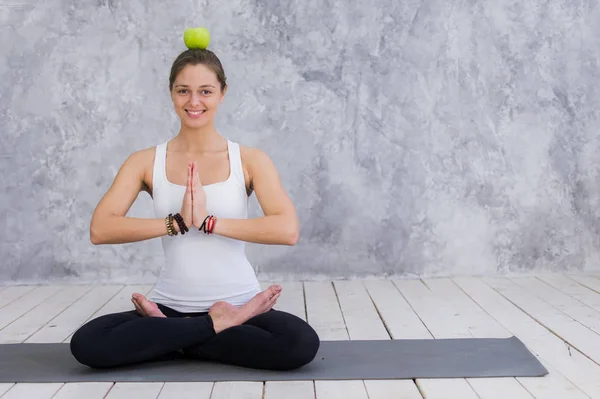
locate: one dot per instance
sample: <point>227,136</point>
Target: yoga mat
<point>335,360</point>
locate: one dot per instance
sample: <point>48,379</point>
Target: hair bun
<point>196,38</point>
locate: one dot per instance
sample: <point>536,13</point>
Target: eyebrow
<point>200,86</point>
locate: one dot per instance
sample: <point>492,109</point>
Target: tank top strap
<point>158,172</point>
<point>235,162</point>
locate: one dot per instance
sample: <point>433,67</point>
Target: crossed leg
<point>251,336</point>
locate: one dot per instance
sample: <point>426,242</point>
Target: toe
<point>274,289</point>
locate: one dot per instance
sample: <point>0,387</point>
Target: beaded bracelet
<point>208,225</point>
<point>170,229</point>
<point>211,224</point>
<point>203,225</point>
<point>182,226</point>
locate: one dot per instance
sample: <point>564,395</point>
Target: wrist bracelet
<point>203,225</point>
<point>211,224</point>
<point>208,225</point>
<point>182,226</point>
<point>170,229</point>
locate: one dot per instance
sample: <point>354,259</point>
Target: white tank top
<point>201,269</point>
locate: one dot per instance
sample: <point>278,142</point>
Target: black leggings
<point>273,340</point>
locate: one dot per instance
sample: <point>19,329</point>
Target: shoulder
<point>141,159</point>
<point>253,155</point>
<point>255,159</point>
<point>141,163</point>
<point>254,163</point>
<point>143,155</point>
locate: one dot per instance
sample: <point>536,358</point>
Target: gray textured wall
<point>425,137</point>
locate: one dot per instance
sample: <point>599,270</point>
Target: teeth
<point>195,112</point>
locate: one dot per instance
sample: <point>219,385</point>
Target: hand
<point>186,208</point>
<point>198,198</point>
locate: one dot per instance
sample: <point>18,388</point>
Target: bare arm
<point>109,224</point>
<point>280,223</point>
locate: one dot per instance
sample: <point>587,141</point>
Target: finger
<point>196,174</point>
<point>191,185</point>
<point>193,181</point>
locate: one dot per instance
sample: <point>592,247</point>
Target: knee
<point>302,348</point>
<point>79,348</point>
<point>82,349</point>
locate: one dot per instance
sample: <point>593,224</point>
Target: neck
<point>204,139</point>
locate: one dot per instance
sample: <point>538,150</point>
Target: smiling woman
<point>207,302</point>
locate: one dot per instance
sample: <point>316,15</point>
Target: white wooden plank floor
<point>556,316</point>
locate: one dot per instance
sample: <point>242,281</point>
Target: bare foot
<point>261,302</point>
<point>145,307</point>
<point>225,315</point>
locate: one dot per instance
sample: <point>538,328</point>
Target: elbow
<point>99,231</point>
<point>292,237</point>
<point>291,241</point>
<point>95,235</point>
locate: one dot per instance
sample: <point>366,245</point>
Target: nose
<point>195,100</point>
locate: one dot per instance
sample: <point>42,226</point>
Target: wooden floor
<point>556,316</point>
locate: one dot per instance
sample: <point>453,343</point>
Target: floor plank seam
<point>420,388</point>
<point>33,308</point>
<point>582,284</point>
<point>568,344</point>
<point>378,312</point>
<point>467,380</point>
<point>425,284</point>
<point>110,390</point>
<point>540,355</point>
<point>413,309</point>
<point>365,388</point>
<point>341,311</point>
<point>565,293</point>
<point>17,298</point>
<point>305,305</point>
<point>481,307</point>
<point>61,312</point>
<point>531,393</point>
<point>414,380</point>
<point>161,389</point>
<point>560,310</point>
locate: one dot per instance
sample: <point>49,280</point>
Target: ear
<point>223,94</point>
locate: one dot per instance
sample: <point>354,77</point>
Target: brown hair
<point>196,57</point>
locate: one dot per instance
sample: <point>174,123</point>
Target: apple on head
<point>195,38</point>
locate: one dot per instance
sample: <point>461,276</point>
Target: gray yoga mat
<point>336,360</point>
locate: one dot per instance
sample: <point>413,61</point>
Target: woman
<point>207,302</point>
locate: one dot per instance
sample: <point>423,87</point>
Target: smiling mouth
<point>194,113</point>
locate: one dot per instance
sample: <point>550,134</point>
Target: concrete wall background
<point>416,138</point>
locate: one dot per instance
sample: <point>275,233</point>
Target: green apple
<point>196,38</point>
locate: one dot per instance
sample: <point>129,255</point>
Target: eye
<point>182,91</point>
<point>206,92</point>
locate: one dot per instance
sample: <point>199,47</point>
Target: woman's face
<point>196,95</point>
